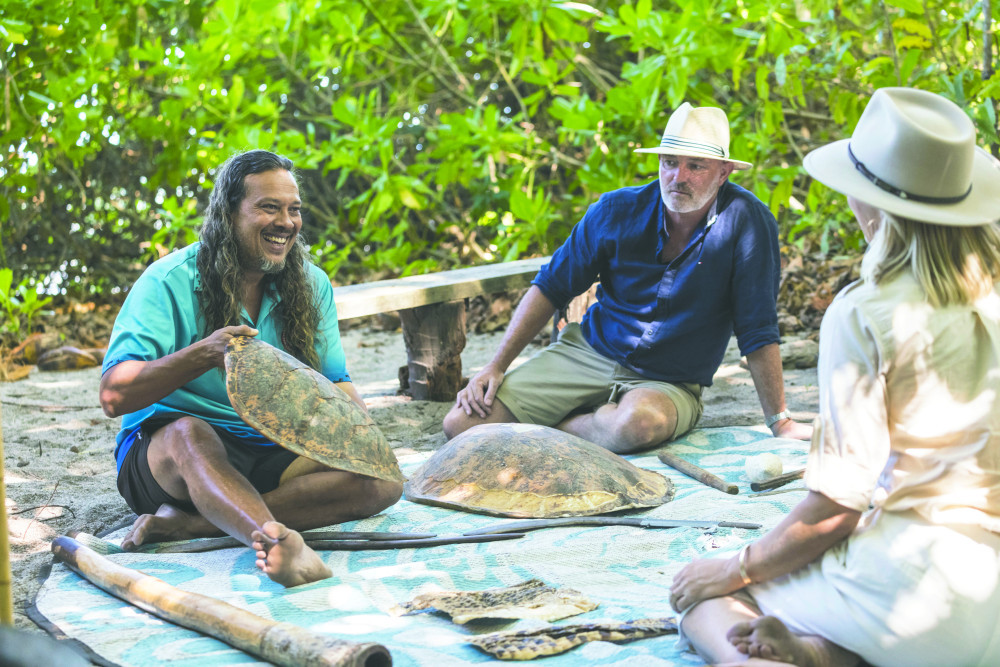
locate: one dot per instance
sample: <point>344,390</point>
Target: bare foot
<point>169,523</point>
<point>768,638</point>
<point>284,557</point>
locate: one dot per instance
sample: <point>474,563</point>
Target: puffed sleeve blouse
<point>909,405</point>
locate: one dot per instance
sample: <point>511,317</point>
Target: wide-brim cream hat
<point>701,132</point>
<point>913,154</point>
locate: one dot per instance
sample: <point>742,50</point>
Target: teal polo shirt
<point>160,316</point>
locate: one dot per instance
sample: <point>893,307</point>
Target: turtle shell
<point>528,471</point>
<point>301,410</point>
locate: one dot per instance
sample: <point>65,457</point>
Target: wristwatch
<point>774,419</point>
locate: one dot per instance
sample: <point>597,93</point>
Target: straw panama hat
<point>913,154</point>
<point>701,132</point>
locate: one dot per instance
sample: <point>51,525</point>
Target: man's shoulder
<point>634,203</point>
<point>179,259</point>
<point>632,195</point>
<point>317,277</point>
<point>739,198</point>
<point>739,204</point>
<point>175,272</point>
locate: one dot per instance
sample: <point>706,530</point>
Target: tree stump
<point>435,337</point>
<point>574,310</point>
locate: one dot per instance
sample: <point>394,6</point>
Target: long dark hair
<point>221,299</point>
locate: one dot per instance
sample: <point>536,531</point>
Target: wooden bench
<point>432,312</point>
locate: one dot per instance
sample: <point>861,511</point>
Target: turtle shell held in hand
<point>301,410</point>
<point>532,472</point>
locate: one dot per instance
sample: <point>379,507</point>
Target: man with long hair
<point>187,464</point>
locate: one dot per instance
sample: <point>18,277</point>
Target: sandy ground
<point>60,473</point>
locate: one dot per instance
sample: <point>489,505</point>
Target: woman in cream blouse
<point>894,555</point>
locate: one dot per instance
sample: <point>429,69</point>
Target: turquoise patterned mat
<point>626,570</point>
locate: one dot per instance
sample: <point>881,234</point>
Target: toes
<point>767,652</point>
<point>738,631</point>
<point>261,541</point>
<point>742,647</point>
<point>275,531</point>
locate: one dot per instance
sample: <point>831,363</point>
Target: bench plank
<point>386,296</point>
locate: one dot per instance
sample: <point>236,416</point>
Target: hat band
<point>902,194</point>
<point>673,141</point>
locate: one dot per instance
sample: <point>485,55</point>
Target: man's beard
<point>267,266</point>
<point>262,264</point>
<point>689,203</point>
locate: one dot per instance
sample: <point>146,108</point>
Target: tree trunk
<point>435,337</point>
<point>574,310</point>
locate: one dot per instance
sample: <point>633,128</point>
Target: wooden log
<point>278,642</point>
<point>435,337</point>
<point>778,481</point>
<point>6,597</point>
<point>700,474</point>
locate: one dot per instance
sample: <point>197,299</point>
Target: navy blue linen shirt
<point>671,322</point>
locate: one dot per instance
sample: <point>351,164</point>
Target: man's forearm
<point>133,385</point>
<point>765,369</point>
<point>534,311</point>
<point>349,389</point>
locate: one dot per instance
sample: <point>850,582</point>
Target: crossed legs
<point>729,630</point>
<point>189,462</point>
<point>642,419</point>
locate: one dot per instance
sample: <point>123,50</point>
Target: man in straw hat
<point>188,465</point>
<point>909,424</point>
<point>683,262</point>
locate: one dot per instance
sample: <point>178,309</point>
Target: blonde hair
<point>954,265</point>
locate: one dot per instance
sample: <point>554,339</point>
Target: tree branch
<point>892,42</point>
<point>374,13</point>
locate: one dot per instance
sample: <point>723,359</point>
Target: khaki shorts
<point>571,377</point>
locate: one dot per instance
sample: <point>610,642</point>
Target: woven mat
<point>627,570</point>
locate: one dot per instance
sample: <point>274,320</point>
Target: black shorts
<point>262,465</point>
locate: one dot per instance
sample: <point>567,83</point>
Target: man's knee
<point>187,438</point>
<point>456,421</point>
<point>642,427</point>
<point>381,494</point>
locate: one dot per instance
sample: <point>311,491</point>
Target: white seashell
<point>763,466</point>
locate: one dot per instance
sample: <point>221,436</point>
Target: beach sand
<point>60,472</point>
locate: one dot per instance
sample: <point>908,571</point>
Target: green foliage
<point>20,304</point>
<point>428,133</point>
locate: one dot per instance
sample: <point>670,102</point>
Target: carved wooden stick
<point>279,642</point>
<point>318,539</point>
<point>700,474</point>
<point>780,480</point>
